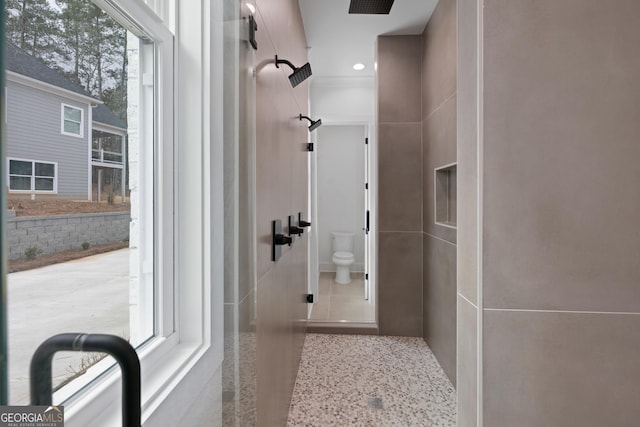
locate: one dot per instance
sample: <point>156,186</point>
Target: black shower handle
<point>119,348</point>
<point>281,239</point>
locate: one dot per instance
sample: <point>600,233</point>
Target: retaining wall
<point>58,233</point>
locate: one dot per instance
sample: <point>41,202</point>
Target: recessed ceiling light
<point>358,66</point>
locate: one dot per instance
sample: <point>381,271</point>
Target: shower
<point>299,74</point>
<point>315,124</point>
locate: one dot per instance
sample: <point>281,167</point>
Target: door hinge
<point>366,185</point>
<point>310,146</point>
<point>366,141</point>
<point>366,276</point>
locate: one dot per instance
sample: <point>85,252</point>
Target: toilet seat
<point>346,256</point>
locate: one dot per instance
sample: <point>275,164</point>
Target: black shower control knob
<point>304,224</point>
<point>281,239</point>
<point>296,230</point>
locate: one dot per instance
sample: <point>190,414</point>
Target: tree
<point>95,45</point>
<point>77,38</point>
<point>33,26</point>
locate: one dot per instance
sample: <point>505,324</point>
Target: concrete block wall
<point>58,233</point>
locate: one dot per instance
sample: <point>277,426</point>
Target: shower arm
<point>305,117</point>
<point>284,61</point>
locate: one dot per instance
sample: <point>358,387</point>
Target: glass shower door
<point>3,244</point>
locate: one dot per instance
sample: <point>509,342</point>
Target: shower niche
<point>445,194</point>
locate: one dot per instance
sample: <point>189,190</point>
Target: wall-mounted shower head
<point>299,74</point>
<point>315,124</point>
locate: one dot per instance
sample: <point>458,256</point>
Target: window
<point>173,314</point>
<point>128,292</point>
<point>29,175</point>
<point>72,123</point>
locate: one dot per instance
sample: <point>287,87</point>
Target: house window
<point>29,175</point>
<point>72,123</point>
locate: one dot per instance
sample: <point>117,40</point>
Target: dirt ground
<point>43,207</point>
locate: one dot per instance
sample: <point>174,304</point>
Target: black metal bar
<point>284,61</point>
<point>368,221</point>
<point>120,349</point>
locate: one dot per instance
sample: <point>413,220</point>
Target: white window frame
<point>189,248</point>
<point>33,176</point>
<point>62,120</point>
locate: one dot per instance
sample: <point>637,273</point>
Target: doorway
<point>341,202</point>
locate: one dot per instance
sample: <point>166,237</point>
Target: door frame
<point>371,202</point>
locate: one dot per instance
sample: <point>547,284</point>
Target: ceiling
<point>338,40</point>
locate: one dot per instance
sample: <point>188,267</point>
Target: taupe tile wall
<point>439,120</point>
<point>266,322</point>
<point>561,270</point>
<point>400,185</point>
<point>559,279</point>
<point>467,383</point>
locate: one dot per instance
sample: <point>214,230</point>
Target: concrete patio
<point>86,295</point>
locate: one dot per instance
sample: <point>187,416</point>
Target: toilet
<point>342,255</point>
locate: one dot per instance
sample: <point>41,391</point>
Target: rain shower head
<point>299,74</point>
<point>315,124</point>
<point>371,7</point>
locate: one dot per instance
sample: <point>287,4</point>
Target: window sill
<point>163,369</point>
<point>75,135</point>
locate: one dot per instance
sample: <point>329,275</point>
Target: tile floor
<point>365,380</point>
<point>342,302</point>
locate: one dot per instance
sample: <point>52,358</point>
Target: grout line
<point>441,105</point>
<point>401,123</point>
<point>441,239</point>
<point>525,310</point>
<point>467,300</point>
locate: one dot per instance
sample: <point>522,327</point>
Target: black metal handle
<point>301,222</point>
<point>281,239</point>
<point>293,229</point>
<point>296,230</point>
<point>120,349</point>
<point>367,230</point>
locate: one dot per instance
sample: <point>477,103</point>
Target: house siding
<point>34,133</point>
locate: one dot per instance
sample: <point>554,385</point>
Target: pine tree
<point>33,26</point>
<point>95,52</point>
<point>77,38</point>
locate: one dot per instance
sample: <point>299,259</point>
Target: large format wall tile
<point>561,151</point>
<point>467,363</point>
<point>281,167</point>
<point>400,283</point>
<point>439,302</point>
<point>561,369</point>
<point>467,150</point>
<point>398,79</point>
<point>399,177</point>
<point>439,149</point>
<point>439,57</point>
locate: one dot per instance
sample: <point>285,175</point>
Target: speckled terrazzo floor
<point>339,374</point>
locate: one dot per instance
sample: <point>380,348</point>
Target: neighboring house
<point>60,139</point>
